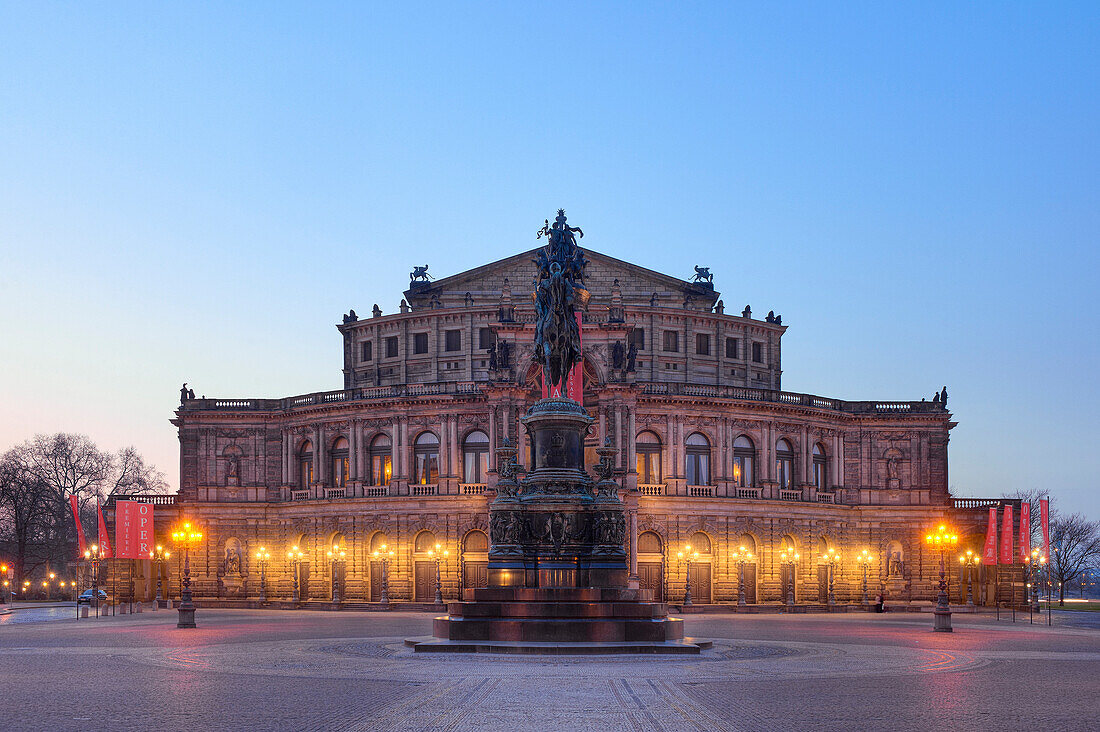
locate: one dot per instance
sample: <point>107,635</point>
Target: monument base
<point>558,620</point>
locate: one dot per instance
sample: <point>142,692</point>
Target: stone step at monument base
<point>558,620</point>
<point>430,644</point>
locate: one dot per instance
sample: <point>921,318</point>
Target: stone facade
<point>710,451</point>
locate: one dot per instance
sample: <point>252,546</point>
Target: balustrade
<point>424,490</point>
<point>472,489</point>
<point>701,491</point>
<point>656,489</point>
<point>376,491</point>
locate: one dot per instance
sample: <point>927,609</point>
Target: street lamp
<point>789,558</point>
<point>96,556</point>
<point>1035,563</point>
<point>864,558</point>
<point>971,560</point>
<point>438,555</point>
<point>188,537</point>
<point>384,554</point>
<point>831,559</point>
<point>294,557</point>
<point>159,557</point>
<point>7,584</point>
<point>741,556</point>
<point>943,541</point>
<point>686,557</point>
<point>262,556</point>
<point>336,557</point>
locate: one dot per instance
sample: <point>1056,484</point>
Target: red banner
<point>102,535</point>
<point>574,383</point>
<point>79,528</point>
<point>1006,536</point>
<point>1025,530</point>
<point>133,529</point>
<point>989,553</point>
<point>1044,520</point>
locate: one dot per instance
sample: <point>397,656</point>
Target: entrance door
<point>786,580</point>
<point>651,577</point>
<point>822,583</point>
<point>700,583</point>
<point>375,581</point>
<point>475,574</point>
<point>750,584</point>
<point>424,582</point>
<point>303,581</point>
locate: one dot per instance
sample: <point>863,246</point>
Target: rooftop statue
<point>559,289</point>
<point>702,274</point>
<point>419,274</point>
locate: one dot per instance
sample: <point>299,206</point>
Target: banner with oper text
<point>1044,520</point>
<point>1006,536</point>
<point>1025,530</point>
<point>133,529</point>
<point>989,551</point>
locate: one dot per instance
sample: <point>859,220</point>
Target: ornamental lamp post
<point>438,555</point>
<point>1035,563</point>
<point>95,556</point>
<point>159,557</point>
<point>336,557</point>
<point>4,576</point>
<point>943,541</point>
<point>789,558</point>
<point>294,558</point>
<point>971,560</point>
<point>864,558</point>
<point>741,556</point>
<point>686,557</point>
<point>262,556</point>
<point>831,559</point>
<point>187,537</point>
<point>384,554</point>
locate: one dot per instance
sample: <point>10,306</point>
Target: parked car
<point>86,597</point>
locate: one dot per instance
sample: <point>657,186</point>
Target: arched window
<point>744,458</point>
<point>426,451</point>
<point>697,459</point>
<point>747,541</point>
<point>338,542</point>
<point>305,465</point>
<point>379,542</point>
<point>784,463</point>
<point>381,461</point>
<point>649,543</point>
<point>821,464</point>
<point>340,463</point>
<point>475,457</point>
<point>786,544</point>
<point>424,542</point>
<point>700,542</point>
<point>648,448</point>
<point>475,543</point>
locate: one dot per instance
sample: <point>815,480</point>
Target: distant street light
<point>831,560</point>
<point>686,557</point>
<point>336,557</point>
<point>384,555</point>
<point>294,557</point>
<point>95,556</point>
<point>970,560</point>
<point>159,557</point>
<point>438,554</point>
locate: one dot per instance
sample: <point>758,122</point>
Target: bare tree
<point>131,476</point>
<point>1075,545</point>
<point>24,500</point>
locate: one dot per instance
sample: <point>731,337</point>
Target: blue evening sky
<point>196,193</point>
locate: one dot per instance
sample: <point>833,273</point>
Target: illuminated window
<point>426,452</point>
<point>784,463</point>
<point>475,457</point>
<point>340,463</point>
<point>648,449</point>
<point>305,465</point>
<point>381,466</point>
<point>821,464</point>
<point>697,459</point>
<point>744,457</point>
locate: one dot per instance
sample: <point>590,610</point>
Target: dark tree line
<point>36,480</point>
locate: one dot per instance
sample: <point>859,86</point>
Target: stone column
<point>317,447</point>
<point>395,450</point>
<point>403,428</point>
<point>634,543</point>
<point>444,448</point>
<point>619,433</point>
<point>631,444</point>
<point>456,458</point>
<point>492,437</point>
<point>669,467</point>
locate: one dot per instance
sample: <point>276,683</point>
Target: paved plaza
<point>305,670</point>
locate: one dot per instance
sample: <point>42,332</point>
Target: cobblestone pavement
<point>351,671</point>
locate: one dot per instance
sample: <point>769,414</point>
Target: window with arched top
<point>786,544</point>
<point>476,542</point>
<point>647,446</point>
<point>379,542</point>
<point>426,454</point>
<point>381,460</point>
<point>697,459</point>
<point>744,460</point>
<point>475,457</point>
<point>338,542</point>
<point>821,465</point>
<point>747,541</point>
<point>649,543</point>
<point>700,542</point>
<point>305,465</point>
<point>424,542</point>
<point>340,463</point>
<point>784,463</point>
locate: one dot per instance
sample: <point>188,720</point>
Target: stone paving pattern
<point>300,670</point>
